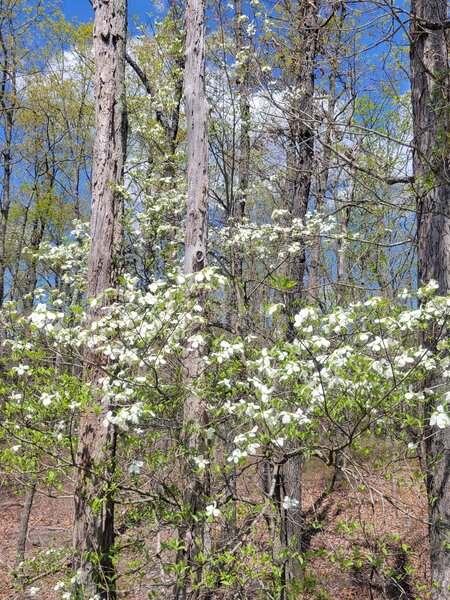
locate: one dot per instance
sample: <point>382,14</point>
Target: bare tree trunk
<point>322,186</point>
<point>341,277</point>
<point>25,519</point>
<point>430,100</point>
<point>242,88</point>
<point>194,412</point>
<point>292,520</point>
<point>37,235</point>
<point>300,142</point>
<point>7,107</point>
<point>76,190</point>
<point>314,267</point>
<point>5,200</point>
<point>239,198</point>
<point>344,219</point>
<point>299,169</point>
<point>238,299</point>
<point>197,132</point>
<point>93,534</point>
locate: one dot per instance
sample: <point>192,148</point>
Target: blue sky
<point>82,9</point>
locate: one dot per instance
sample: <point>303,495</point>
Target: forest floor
<point>369,540</point>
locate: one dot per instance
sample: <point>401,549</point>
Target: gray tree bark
<point>93,533</point>
<point>196,234</point>
<point>25,519</point>
<point>300,141</point>
<point>430,100</point>
<point>299,169</point>
<point>197,139</point>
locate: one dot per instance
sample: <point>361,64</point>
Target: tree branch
<point>148,87</point>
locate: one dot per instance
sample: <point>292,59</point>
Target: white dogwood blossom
<point>135,467</point>
<point>290,503</point>
<point>212,510</point>
<point>201,462</point>
<point>440,418</point>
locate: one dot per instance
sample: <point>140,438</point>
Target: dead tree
<point>194,410</point>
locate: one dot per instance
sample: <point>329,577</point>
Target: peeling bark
<point>93,535</point>
<point>197,139</point>
<point>194,411</point>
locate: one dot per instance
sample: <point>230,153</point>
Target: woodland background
<point>224,268</point>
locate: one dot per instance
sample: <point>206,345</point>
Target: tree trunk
<point>430,97</point>
<point>299,169</point>
<point>37,235</point>
<point>300,142</point>
<point>25,519</point>
<point>322,186</point>
<point>194,412</point>
<point>6,199</point>
<point>242,89</point>
<point>93,535</point>
<point>343,212</point>
<point>238,299</point>
<point>197,139</point>
<point>8,93</point>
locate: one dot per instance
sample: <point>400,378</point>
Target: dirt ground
<point>367,541</point>
<point>49,527</point>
